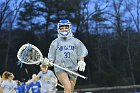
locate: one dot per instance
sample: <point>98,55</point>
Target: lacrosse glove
<point>47,62</point>
<point>81,66</point>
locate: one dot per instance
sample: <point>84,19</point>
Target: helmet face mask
<point>64,28</point>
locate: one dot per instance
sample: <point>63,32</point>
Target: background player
<point>8,85</point>
<point>34,85</point>
<point>48,80</point>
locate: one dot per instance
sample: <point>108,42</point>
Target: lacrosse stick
<point>60,85</point>
<point>30,54</point>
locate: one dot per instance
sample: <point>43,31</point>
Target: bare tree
<point>135,11</point>
<point>12,14</point>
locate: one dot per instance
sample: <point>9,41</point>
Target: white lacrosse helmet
<point>64,23</point>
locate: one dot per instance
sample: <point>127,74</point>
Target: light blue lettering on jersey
<point>66,47</point>
<point>35,87</point>
<point>66,53</point>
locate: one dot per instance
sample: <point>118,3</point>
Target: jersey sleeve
<point>52,50</point>
<point>81,50</point>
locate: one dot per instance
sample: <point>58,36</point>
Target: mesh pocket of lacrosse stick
<point>29,54</point>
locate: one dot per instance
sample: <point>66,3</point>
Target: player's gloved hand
<point>81,66</point>
<point>47,62</point>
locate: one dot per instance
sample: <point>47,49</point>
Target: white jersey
<point>8,87</point>
<point>47,80</point>
<point>65,53</point>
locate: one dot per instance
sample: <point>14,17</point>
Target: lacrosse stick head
<point>29,54</point>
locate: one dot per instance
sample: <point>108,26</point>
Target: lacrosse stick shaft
<point>70,71</point>
<point>60,85</point>
<point>27,73</point>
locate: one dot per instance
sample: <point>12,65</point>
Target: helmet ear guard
<point>64,23</point>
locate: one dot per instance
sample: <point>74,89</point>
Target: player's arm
<point>82,53</point>
<point>38,76</point>
<point>29,87</point>
<point>81,59</point>
<point>3,84</point>
<point>52,50</point>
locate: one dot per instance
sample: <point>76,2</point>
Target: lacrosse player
<point>48,80</point>
<point>23,86</point>
<point>9,84</point>
<point>18,89</point>
<point>34,85</point>
<point>65,51</point>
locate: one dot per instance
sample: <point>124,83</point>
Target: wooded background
<point>110,29</point>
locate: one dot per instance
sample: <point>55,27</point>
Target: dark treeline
<point>110,31</point>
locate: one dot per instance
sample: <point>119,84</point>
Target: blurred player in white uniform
<point>8,85</point>
<point>48,80</point>
<point>65,51</point>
